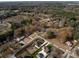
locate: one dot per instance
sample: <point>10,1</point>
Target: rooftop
<point>32,44</point>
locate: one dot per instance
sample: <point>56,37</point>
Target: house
<point>32,44</point>
<point>75,51</point>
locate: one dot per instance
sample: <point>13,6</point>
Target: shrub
<point>49,46</point>
<point>51,34</point>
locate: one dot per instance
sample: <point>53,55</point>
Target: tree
<point>22,32</point>
<point>76,31</point>
<point>71,22</point>
<point>49,47</point>
<point>3,37</point>
<point>24,22</point>
<point>51,34</point>
<point>76,36</point>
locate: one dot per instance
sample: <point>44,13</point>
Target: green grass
<point>36,52</point>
